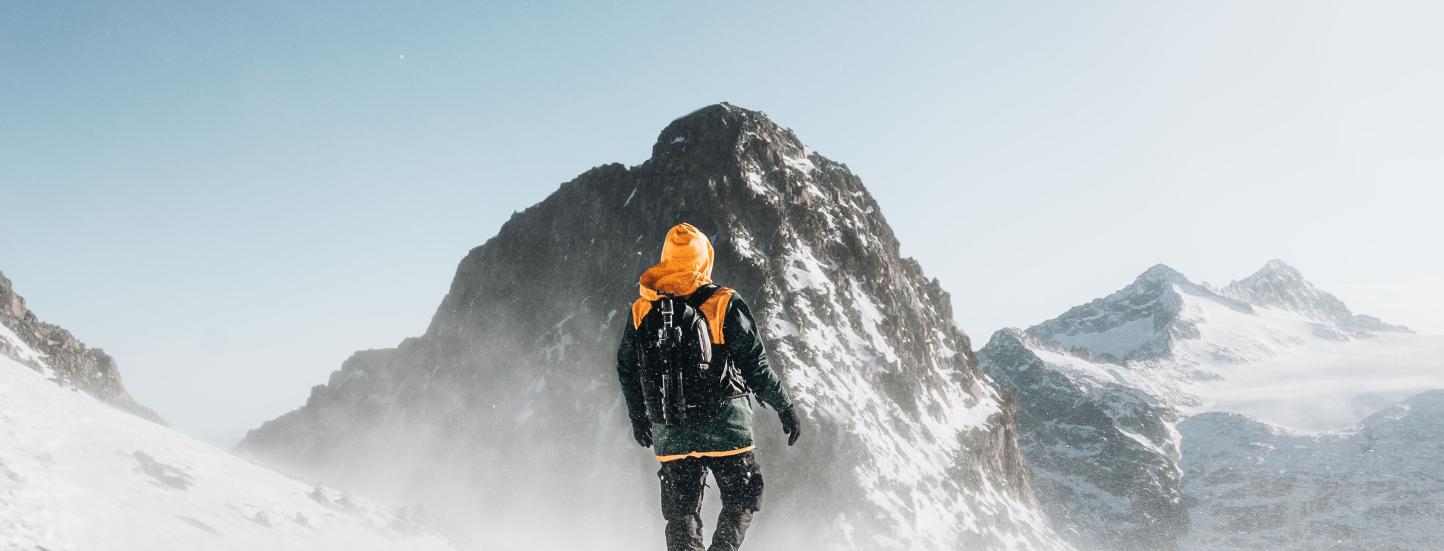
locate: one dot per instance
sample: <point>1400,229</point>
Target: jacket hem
<point>666,458</point>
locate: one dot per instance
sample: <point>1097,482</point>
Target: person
<point>715,435</point>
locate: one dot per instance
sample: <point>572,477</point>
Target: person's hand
<point>642,432</point>
<point>790,425</point>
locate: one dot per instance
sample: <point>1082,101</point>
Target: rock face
<point>506,414</point>
<point>1100,437</point>
<point>53,351</point>
<point>1114,399</point>
<point>1105,454</point>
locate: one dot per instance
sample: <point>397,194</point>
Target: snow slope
<point>1377,486</point>
<point>50,349</point>
<point>78,474</point>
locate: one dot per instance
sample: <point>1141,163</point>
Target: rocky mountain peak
<point>1129,322</point>
<point>730,147</point>
<point>1161,273</point>
<point>1279,285</point>
<point>713,129</point>
<point>521,354</point>
<point>721,131</point>
<point>11,304</point>
<point>1140,321</point>
<point>1277,266</point>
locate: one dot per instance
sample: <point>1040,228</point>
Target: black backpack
<point>678,373</point>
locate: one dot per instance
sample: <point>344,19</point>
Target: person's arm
<point>749,353</point>
<point>628,364</point>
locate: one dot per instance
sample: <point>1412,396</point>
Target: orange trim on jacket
<point>714,309</point>
<point>738,451</point>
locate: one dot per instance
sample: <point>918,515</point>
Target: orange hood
<point>686,264</point>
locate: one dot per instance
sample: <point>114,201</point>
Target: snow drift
<point>78,474</point>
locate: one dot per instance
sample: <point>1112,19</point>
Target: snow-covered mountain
<point>1102,389</point>
<point>507,414</point>
<point>78,474</point>
<point>1282,286</point>
<point>52,350</point>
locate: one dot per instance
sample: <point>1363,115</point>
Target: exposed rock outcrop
<point>52,350</point>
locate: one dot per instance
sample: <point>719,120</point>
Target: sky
<point>231,198</point>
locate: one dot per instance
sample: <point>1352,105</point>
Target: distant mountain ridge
<point>1139,321</point>
<point>1109,391</point>
<point>55,352</point>
<point>1279,285</point>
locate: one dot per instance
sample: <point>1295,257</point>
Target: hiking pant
<point>740,481</point>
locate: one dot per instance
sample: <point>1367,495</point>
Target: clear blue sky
<point>232,197</point>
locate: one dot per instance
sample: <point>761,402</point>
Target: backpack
<point>678,373</point>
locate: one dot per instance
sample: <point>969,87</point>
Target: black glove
<point>642,431</point>
<point>790,425</point>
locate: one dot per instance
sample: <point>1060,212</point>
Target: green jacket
<point>728,427</point>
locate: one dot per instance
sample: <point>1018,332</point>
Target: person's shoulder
<point>726,293</point>
<point>734,298</point>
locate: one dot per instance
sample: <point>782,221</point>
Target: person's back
<point>698,415</point>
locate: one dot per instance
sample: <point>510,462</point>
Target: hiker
<point>689,360</point>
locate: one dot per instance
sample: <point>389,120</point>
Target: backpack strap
<point>639,310</point>
<point>701,295</point>
<point>714,308</point>
<point>642,306</point>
